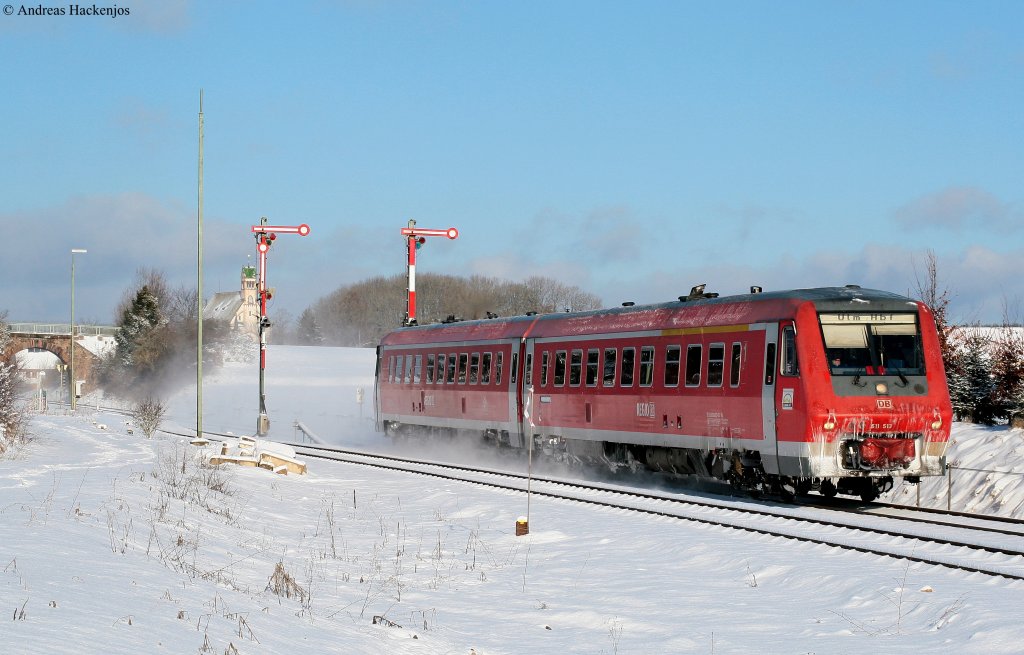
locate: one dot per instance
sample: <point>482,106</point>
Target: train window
<point>528,372</point>
<point>418,371</point>
<point>391,368</point>
<point>451,369</point>
<point>693,354</point>
<point>474,368</point>
<point>544,368</point>
<point>463,360</point>
<point>442,364</point>
<point>575,368</point>
<point>716,364</point>
<point>859,344</point>
<point>734,368</point>
<point>485,369</point>
<point>610,355</point>
<point>515,367</point>
<point>646,366</point>
<point>672,366</point>
<point>408,369</point>
<point>430,368</point>
<point>769,364</point>
<point>497,367</point>
<point>593,357</point>
<point>560,368</point>
<point>790,366</point>
<point>628,361</point>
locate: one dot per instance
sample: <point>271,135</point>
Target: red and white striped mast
<point>414,237</point>
<point>265,236</point>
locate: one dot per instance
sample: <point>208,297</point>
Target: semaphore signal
<point>265,237</point>
<point>414,238</point>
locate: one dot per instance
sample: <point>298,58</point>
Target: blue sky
<point>632,149</point>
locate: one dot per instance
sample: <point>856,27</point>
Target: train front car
<point>875,406</point>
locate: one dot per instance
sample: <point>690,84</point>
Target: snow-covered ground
<point>113,543</point>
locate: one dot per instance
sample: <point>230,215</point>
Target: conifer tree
<point>138,344</point>
<point>1008,372</point>
<point>971,381</point>
<point>309,333</point>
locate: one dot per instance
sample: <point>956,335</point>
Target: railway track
<point>972,544</point>
<point>966,542</point>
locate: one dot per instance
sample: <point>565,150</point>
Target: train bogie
<point>836,389</point>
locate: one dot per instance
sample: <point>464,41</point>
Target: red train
<point>832,389</point>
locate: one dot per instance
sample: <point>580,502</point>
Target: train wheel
<point>869,495</point>
<point>828,489</point>
<point>803,487</point>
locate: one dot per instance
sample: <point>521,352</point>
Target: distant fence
<point>63,328</point>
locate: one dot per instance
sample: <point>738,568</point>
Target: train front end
<point>879,405</point>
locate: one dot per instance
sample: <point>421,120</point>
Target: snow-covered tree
<point>972,383</point>
<point>12,416</point>
<point>138,321</point>
<point>1008,371</point>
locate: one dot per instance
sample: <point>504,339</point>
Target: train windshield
<point>872,344</point>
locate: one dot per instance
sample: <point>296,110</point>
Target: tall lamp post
<point>71,380</point>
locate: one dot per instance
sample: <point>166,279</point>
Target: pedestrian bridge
<point>62,329</point>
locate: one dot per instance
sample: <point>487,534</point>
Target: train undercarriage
<point>742,470</point>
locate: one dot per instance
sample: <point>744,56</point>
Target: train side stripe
<point>713,329</point>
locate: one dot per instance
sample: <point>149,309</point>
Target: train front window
<point>872,344</point>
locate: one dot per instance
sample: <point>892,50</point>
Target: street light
<point>74,387</point>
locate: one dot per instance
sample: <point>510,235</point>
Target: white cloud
<point>959,207</point>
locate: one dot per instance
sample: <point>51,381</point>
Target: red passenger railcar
<point>835,389</point>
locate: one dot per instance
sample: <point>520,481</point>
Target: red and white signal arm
<point>301,230</point>
<point>451,233</point>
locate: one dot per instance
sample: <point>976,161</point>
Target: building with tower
<point>240,310</point>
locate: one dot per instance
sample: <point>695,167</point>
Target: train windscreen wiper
<point>903,378</point>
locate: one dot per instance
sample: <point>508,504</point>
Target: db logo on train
<point>884,403</point>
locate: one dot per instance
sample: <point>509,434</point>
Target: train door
<point>376,392</point>
<point>769,413</point>
<point>790,399</point>
<point>525,392</point>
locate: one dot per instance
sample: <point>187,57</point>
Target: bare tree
<point>937,297</point>
<point>359,314</point>
<point>148,415</point>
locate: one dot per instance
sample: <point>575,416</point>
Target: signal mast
<point>265,237</point>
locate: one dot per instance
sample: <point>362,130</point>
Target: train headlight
<point>881,388</point>
<point>830,422</point>
<point>937,423</point>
